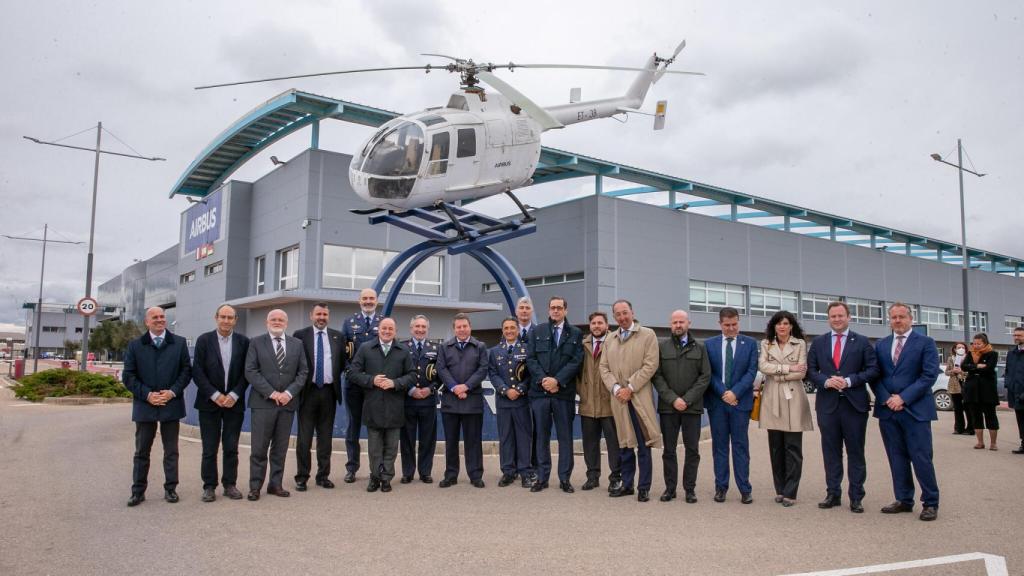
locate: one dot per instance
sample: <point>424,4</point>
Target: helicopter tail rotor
<point>545,119</point>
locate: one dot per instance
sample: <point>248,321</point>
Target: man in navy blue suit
<point>841,363</point>
<point>729,400</point>
<point>909,364</point>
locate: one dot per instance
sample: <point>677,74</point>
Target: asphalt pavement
<point>66,473</point>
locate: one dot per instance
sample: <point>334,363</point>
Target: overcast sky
<point>832,106</point>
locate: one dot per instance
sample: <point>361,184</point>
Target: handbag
<point>755,414</point>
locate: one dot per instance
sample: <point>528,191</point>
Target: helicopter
<point>479,144</point>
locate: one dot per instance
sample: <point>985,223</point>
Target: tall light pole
<point>963,232</point>
<point>38,322</point>
<point>92,222</point>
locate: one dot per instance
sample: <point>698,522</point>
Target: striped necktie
<point>279,352</point>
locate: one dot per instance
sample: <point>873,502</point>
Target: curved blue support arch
<point>407,270</point>
<point>396,263</point>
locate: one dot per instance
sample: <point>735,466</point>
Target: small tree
<point>70,347</point>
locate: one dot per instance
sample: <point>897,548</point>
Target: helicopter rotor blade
<point>452,58</point>
<point>542,116</point>
<point>588,67</point>
<point>428,68</point>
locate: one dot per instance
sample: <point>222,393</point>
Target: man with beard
<point>596,409</point>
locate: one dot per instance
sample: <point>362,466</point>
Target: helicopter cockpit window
<point>398,153</point>
<point>467,143</point>
<point>439,145</point>
<point>431,119</point>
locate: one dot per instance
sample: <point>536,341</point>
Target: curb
<point>76,401</point>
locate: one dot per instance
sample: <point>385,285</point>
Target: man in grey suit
<point>385,371</point>
<point>276,368</point>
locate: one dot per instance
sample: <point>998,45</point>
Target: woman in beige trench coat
<point>785,411</point>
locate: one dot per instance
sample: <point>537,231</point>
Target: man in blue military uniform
<point>510,379</point>
<point>358,329</point>
<point>420,405</point>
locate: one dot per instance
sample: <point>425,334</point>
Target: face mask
<point>961,351</point>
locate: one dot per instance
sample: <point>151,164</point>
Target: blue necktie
<point>158,341</point>
<point>558,335</point>
<point>318,374</point>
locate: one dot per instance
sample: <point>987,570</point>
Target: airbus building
<point>289,240</point>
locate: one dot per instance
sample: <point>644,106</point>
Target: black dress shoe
<point>136,499</point>
<point>350,477</point>
<point>620,492</point>
<point>325,483</point>
<point>786,502</point>
<point>528,481</point>
<point>929,513</point>
<point>373,485</point>
<point>897,507</point>
<point>615,485</point>
<point>746,498</point>
<point>856,507</point>
<point>719,495</point>
<point>209,495</point>
<point>506,479</point>
<point>300,486</point>
<point>830,501</point>
<point>232,492</point>
<point>254,495</point>
<point>446,482</point>
<point>406,479</point>
<point>691,498</point>
<point>668,496</point>
<point>590,484</point>
<point>278,491</point>
<point>478,483</point>
<point>538,486</point>
<point>385,486</point>
<point>426,479</point>
<point>643,495</point>
<point>171,496</point>
<point>566,487</point>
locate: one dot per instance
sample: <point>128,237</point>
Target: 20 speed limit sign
<point>87,306</point>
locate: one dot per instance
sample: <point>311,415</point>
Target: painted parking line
<point>994,565</point>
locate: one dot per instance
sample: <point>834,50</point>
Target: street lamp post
<point>965,259</point>
<point>92,222</point>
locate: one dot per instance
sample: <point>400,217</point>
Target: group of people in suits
<point>537,372</point>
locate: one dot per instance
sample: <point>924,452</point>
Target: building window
<point>934,317</point>
<point>214,268</point>
<point>1012,322</point>
<point>979,321</point>
<point>261,274</point>
<point>815,306</point>
<point>357,268</point>
<point>78,330</point>
<point>55,329</point>
<point>288,267</point>
<point>187,277</point>
<point>865,311</point>
<point>713,296</point>
<point>768,301</point>
<point>540,281</point>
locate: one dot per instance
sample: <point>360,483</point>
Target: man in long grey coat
<point>384,370</point>
<point>276,368</point>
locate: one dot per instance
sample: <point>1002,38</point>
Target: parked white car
<point>940,392</point>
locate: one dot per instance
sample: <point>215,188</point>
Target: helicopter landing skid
<point>474,235</point>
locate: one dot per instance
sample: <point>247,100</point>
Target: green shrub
<point>59,382</point>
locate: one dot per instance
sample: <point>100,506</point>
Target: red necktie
<point>899,349</point>
<point>837,352</point>
<point>597,349</point>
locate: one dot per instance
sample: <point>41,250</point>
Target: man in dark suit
<point>909,365</point>
<point>358,329</point>
<point>510,379</point>
<point>462,365</point>
<point>729,400</point>
<point>684,373</point>
<point>1013,376</point>
<point>524,316</point>
<point>842,363</point>
<point>218,371</point>
<point>385,372</point>
<point>275,367</point>
<point>554,357</point>
<point>156,372</point>
<point>420,405</point>
<point>318,401</point>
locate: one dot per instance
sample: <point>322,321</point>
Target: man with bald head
<point>276,368</point>
<point>156,371</point>
<point>683,375</point>
<point>358,329</point>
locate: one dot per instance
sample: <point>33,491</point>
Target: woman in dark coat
<point>981,395</point>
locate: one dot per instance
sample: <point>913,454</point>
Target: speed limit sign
<point>87,306</point>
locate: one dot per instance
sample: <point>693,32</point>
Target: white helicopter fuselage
<point>478,145</point>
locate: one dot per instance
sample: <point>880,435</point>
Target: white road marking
<point>994,565</point>
<point>23,404</point>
